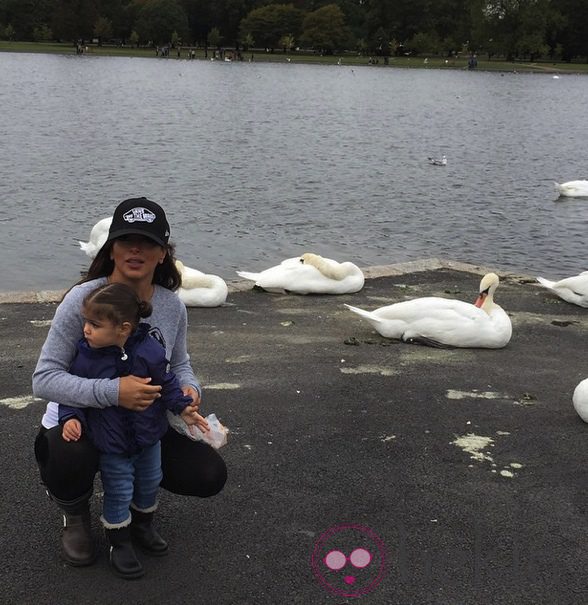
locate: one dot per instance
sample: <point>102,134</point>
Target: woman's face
<point>136,257</point>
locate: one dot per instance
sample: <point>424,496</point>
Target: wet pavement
<point>462,472</point>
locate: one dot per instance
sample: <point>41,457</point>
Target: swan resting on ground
<point>573,189</point>
<point>309,274</point>
<point>437,321</point>
<point>98,236</point>
<point>199,289</point>
<point>580,399</point>
<point>572,289</point>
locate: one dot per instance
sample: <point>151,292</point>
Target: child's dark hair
<point>117,303</point>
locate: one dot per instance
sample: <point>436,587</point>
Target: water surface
<point>259,162</point>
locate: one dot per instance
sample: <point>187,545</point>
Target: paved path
<point>333,426</point>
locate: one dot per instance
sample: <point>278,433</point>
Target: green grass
<point>294,57</point>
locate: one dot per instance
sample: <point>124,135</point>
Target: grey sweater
<point>51,378</point>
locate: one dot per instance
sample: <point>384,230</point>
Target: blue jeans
<point>129,479</point>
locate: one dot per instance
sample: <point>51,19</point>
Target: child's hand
<point>72,430</point>
<point>191,417</point>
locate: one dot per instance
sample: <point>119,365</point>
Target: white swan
<point>572,289</point>
<point>98,236</point>
<point>572,189</point>
<point>439,321</point>
<point>580,399</point>
<point>309,274</point>
<point>199,289</point>
<point>438,162</point>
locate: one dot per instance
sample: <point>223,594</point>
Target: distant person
<point>137,253</point>
<point>115,344</point>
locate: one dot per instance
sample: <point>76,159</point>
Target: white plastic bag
<point>216,436</point>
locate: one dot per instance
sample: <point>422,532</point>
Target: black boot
<point>123,559</point>
<point>76,540</point>
<point>145,536</point>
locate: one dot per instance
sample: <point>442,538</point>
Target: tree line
<point>513,29</point>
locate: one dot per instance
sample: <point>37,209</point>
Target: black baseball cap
<point>140,216</point>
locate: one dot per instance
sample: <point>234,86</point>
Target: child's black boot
<point>145,536</point>
<point>123,559</point>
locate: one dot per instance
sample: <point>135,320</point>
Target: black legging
<point>190,468</point>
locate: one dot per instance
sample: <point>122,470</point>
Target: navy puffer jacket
<point>116,430</point>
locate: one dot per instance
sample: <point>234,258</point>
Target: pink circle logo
<point>349,560</point>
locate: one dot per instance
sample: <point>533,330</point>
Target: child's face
<point>103,332</point>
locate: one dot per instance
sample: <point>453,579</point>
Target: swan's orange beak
<point>480,300</point>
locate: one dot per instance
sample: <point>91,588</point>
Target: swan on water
<point>438,161</point>
<point>572,189</point>
<point>309,274</point>
<point>437,321</point>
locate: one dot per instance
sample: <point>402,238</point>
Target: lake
<point>258,162</point>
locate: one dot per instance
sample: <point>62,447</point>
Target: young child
<point>116,344</point>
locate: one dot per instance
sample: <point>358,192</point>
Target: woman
<point>137,253</point>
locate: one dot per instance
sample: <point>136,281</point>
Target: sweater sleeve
<point>180,360</point>
<point>51,378</point>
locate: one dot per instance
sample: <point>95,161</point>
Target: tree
<point>380,43</point>
<point>248,41</point>
<point>103,29</point>
<point>287,42</point>
<point>269,23</point>
<point>569,29</point>
<point>400,19</point>
<point>134,39</point>
<point>74,19</point>
<point>26,15</point>
<point>158,19</point>
<point>227,16</point>
<point>214,37</point>
<point>517,27</point>
<point>425,42</point>
<point>325,30</point>
<point>200,22</point>
<point>42,33</point>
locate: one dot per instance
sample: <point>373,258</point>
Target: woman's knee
<point>67,468</point>
<point>191,468</point>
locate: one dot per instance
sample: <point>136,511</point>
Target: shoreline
<point>241,285</point>
<point>308,58</point>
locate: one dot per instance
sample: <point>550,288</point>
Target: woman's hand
<point>72,430</point>
<point>136,394</point>
<point>192,392</point>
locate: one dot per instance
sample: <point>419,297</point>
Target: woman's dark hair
<point>117,303</point>
<point>166,274</point>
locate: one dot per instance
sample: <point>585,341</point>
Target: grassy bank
<point>294,57</point>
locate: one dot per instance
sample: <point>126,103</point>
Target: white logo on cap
<point>139,214</point>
